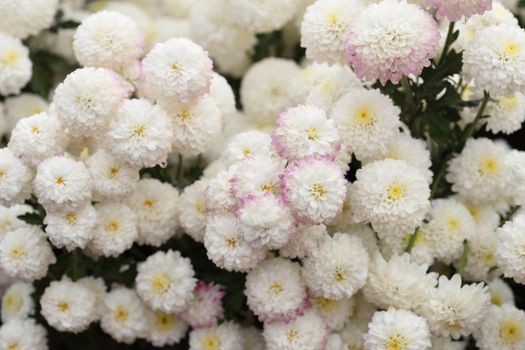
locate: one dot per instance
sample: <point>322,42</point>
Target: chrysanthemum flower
<point>15,65</point>
<point>226,336</point>
<point>205,309</point>
<point>23,334</point>
<point>71,227</point>
<point>15,179</point>
<point>17,302</point>
<point>503,328</point>
<point>455,10</point>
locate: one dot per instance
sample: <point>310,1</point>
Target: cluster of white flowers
<point>317,192</point>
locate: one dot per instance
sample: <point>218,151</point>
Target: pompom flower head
<point>455,10</point>
<point>23,18</point>
<point>390,40</point>
<point>15,65</point>
<point>15,179</point>
<point>205,309</point>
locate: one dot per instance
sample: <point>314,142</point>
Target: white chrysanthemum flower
<point>500,292</point>
<point>510,248</point>
<point>116,229</point>
<point>68,306</point>
<point>205,309</point>
<point>262,16</point>
<point>368,122</point>
<point>98,288</point>
<point>398,282</point>
<point>265,220</point>
<point>21,106</point>
<point>220,191</point>
<point>338,268</point>
<point>324,28</point>
<point>15,179</point>
<point>276,290</point>
<point>108,39</point>
<point>315,189</point>
<point>485,215</point>
<point>392,196</point>
<point>304,241</point>
<point>343,222</point>
<point>265,89</point>
<point>124,317</point>
<point>397,329</point>
<point>62,182</point>
<point>258,175</point>
<point>449,225</point>
<point>496,59</point>
<point>165,281</point>
<point>112,179</point>
<point>421,252</point>
<point>27,17</point>
<point>226,246</point>
<point>228,43</point>
<point>23,334</point>
<point>70,227</point>
<point>25,253</point>
<point>331,83</point>
<point>307,332</point>
<point>516,163</point>
<point>192,210</point>
<point>9,220</point>
<point>141,134</point>
<point>17,301</point>
<point>226,336</point>
<point>481,255</point>
<point>309,76</point>
<point>413,151</point>
<point>37,137</point>
<point>502,329</point>
<point>195,126</point>
<point>156,205</point>
<point>469,29</point>
<point>305,131</point>
<point>391,39</point>
<point>333,312</point>
<point>507,114</point>
<point>479,173</point>
<point>222,94</point>
<point>177,71</point>
<point>165,329</point>
<point>248,144</point>
<point>253,339</point>
<point>15,65</point>
<point>87,98</point>
<point>455,310</point>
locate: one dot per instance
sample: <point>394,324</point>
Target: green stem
<point>448,42</point>
<point>464,258</point>
<point>179,167</point>
<point>412,241</point>
<point>409,96</point>
<point>510,214</point>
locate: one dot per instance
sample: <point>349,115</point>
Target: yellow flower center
<point>120,315</point>
<point>512,48</point>
<point>397,342</point>
<point>489,258</point>
<point>36,110</point>
<point>276,91</point>
<point>63,306</point>
<point>510,331</point>
<point>396,192</point>
<point>12,302</point>
<point>35,130</point>
<point>60,180</point>
<point>160,283</point>
<point>184,115</point>
<point>18,252</point>
<point>211,342</point>
<point>113,172</point>
<point>276,288</point>
<point>174,66</point>
<point>339,275</point>
<point>164,322</point>
<point>13,345</point>
<point>139,131</point>
<point>292,335</point>
<point>149,203</point>
<point>332,18</point>
<point>324,304</point>
<point>268,188</point>
<point>112,226</point>
<point>246,151</point>
<point>326,87</point>
<point>2,174</point>
<point>496,299</point>
<point>364,116</point>
<point>318,191</point>
<point>11,57</point>
<point>453,223</point>
<point>71,218</point>
<point>489,166</point>
<point>313,133</point>
<point>231,242</point>
<point>200,206</point>
<point>510,102</point>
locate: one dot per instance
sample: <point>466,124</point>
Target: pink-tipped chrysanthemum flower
<point>206,307</point>
<point>390,40</point>
<point>455,10</point>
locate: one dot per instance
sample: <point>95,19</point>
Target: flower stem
<point>409,96</point>
<point>448,42</point>
<point>464,259</point>
<point>412,241</point>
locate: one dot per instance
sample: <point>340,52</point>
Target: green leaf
<point>32,218</point>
